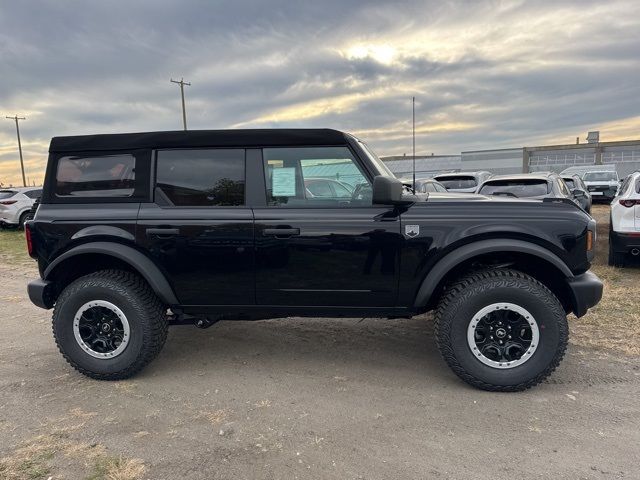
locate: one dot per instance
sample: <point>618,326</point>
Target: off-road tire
<point>143,309</point>
<point>468,295</point>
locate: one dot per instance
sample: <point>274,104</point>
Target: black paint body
<point>231,261</point>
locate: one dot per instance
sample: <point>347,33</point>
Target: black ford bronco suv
<point>138,231</point>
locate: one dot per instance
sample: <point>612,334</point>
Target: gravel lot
<point>304,398</point>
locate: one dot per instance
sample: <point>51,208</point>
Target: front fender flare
<point>470,250</point>
<point>137,260</point>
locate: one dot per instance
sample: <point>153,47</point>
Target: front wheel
<point>501,330</point>
<point>108,325</point>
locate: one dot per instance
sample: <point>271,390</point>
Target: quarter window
<point>205,178</point>
<point>96,176</point>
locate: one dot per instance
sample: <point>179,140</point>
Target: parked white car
<point>15,204</point>
<point>624,233</point>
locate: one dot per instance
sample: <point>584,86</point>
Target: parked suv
<point>15,205</point>
<point>137,231</point>
<point>463,182</point>
<point>624,228</point>
<point>539,185</point>
<point>602,184</point>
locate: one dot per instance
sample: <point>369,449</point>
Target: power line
<point>16,118</point>
<point>182,83</point>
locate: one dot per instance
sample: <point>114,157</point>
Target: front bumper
<point>41,293</point>
<point>586,292</point>
<point>624,242</point>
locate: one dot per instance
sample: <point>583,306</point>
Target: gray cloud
<point>485,73</point>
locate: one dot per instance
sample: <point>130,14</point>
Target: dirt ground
<point>318,398</point>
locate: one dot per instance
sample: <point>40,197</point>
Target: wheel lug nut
<point>509,336</point>
<point>491,337</point>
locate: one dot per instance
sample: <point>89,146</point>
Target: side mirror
<point>579,193</point>
<point>388,191</point>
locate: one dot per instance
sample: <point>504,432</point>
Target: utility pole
<point>16,118</point>
<point>182,83</point>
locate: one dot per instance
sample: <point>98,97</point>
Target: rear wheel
<point>24,218</point>
<point>501,330</point>
<point>110,324</point>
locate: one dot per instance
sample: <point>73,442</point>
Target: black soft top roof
<point>199,138</point>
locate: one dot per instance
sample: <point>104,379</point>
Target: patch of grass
<point>117,468</point>
<point>13,248</point>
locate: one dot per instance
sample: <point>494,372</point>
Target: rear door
<point>323,251</point>
<point>198,227</point>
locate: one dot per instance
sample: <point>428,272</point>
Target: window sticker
<point>283,182</point>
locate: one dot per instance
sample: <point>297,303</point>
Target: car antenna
<point>413,111</point>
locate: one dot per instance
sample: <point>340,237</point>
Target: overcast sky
<point>486,74</point>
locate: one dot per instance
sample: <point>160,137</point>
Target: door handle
<point>281,232</point>
<point>162,232</point>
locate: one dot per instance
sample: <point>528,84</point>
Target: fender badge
<point>412,230</point>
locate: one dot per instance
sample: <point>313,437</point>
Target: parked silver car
<point>464,182</point>
<point>16,203</point>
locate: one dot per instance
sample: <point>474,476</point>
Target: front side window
<point>96,176</point>
<point>202,178</point>
<point>570,183</point>
<point>314,177</point>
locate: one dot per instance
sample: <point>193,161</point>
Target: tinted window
<point>570,183</point>
<point>518,188</point>
<point>6,194</point>
<point>600,176</point>
<point>458,182</point>
<point>96,176</point>
<point>34,193</point>
<point>638,186</point>
<point>202,177</point>
<point>314,176</point>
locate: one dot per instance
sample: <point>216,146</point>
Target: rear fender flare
<point>137,260</point>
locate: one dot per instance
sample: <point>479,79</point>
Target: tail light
<point>8,202</point>
<point>629,203</point>
<point>27,234</point>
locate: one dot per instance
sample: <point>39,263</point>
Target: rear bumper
<point>41,293</point>
<point>624,242</point>
<point>586,292</point>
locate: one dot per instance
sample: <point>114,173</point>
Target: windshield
<point>7,193</point>
<point>519,188</point>
<point>458,182</point>
<point>380,165</point>
<point>600,177</point>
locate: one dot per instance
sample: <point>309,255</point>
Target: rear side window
<point>458,182</point>
<point>518,188</point>
<point>7,194</point>
<point>202,178</point>
<point>34,193</point>
<point>96,176</point>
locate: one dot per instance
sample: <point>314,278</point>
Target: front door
<point>199,229</point>
<point>317,245</point>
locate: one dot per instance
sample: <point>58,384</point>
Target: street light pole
<point>182,83</point>
<point>16,118</point>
